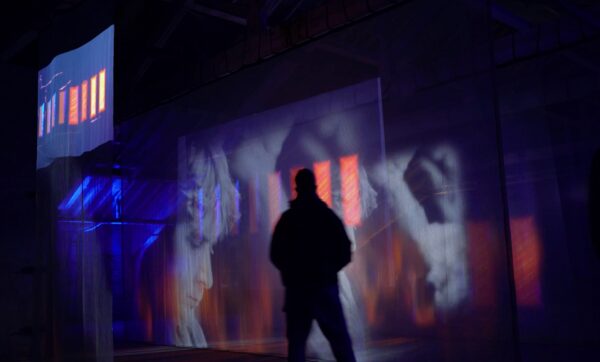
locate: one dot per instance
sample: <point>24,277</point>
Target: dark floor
<point>394,351</point>
<point>179,354</point>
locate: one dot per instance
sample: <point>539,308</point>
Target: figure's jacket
<point>310,244</point>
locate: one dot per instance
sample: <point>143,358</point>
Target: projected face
<point>210,211</point>
<point>423,187</point>
<point>262,151</point>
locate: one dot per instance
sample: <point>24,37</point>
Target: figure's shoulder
<point>331,215</point>
<point>286,215</point>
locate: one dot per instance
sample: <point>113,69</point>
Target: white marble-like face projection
<point>423,189</point>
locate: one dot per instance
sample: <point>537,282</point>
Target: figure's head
<point>305,182</point>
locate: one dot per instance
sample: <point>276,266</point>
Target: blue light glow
<point>116,194</point>
<point>152,238</point>
<point>76,194</point>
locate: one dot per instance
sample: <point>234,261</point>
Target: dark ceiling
<point>162,46</point>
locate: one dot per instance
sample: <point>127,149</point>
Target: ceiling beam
<point>580,13</point>
<point>19,45</point>
<point>205,10</point>
<point>507,17</point>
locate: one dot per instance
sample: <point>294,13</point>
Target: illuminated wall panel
<point>73,105</point>
<point>93,95</point>
<point>102,91</point>
<point>322,172</point>
<point>350,185</point>
<point>84,100</point>
<point>62,99</point>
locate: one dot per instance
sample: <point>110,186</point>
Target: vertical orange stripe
<point>350,189</point>
<point>323,178</point>
<point>84,100</point>
<point>61,107</point>
<point>102,91</point>
<point>93,87</point>
<point>481,263</point>
<point>527,255</point>
<point>293,172</point>
<point>74,105</point>
<point>274,187</point>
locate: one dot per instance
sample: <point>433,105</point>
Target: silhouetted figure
<point>310,247</point>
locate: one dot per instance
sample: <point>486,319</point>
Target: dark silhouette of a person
<point>309,247</point>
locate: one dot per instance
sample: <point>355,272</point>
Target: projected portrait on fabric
<point>423,191</point>
<point>404,215</point>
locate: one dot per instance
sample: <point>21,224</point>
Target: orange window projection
<point>102,91</point>
<point>93,87</point>
<point>527,257</point>
<point>323,176</point>
<point>293,172</point>
<point>349,176</point>
<point>84,100</point>
<point>48,116</point>
<point>61,107</point>
<point>483,237</point>
<point>274,187</point>
<point>74,105</point>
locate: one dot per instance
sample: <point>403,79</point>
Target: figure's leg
<point>298,323</point>
<point>329,315</point>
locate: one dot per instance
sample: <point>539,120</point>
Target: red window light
<point>293,172</point>
<point>349,176</point>
<point>74,105</point>
<point>84,100</point>
<point>102,91</point>
<point>93,88</point>
<point>527,258</point>
<point>323,177</point>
